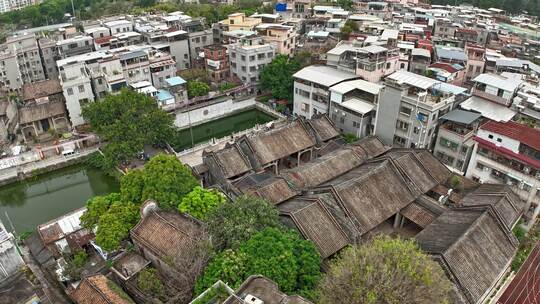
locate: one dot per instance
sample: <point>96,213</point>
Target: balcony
<point>510,164</point>
<point>490,97</point>
<point>459,130</point>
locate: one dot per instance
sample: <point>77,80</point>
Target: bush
<point>150,283</point>
<point>282,256</point>
<point>200,201</point>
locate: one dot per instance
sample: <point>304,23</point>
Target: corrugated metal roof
<point>358,106</point>
<point>389,34</point>
<point>506,83</point>
<point>488,109</point>
<point>421,52</point>
<point>323,75</point>
<point>347,86</point>
<point>373,49</point>
<point>413,79</point>
<point>451,53</point>
<point>461,116</point>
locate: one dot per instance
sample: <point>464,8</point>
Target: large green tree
<point>128,121</point>
<point>197,88</point>
<point>283,256</point>
<point>114,225</point>
<point>96,207</point>
<point>200,201</point>
<point>232,223</point>
<point>164,179</point>
<point>277,77</point>
<point>384,270</point>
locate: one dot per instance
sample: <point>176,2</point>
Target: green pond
<point>219,128</point>
<point>48,196</point>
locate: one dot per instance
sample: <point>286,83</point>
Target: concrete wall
<point>10,260</point>
<point>387,112</point>
<point>200,115</point>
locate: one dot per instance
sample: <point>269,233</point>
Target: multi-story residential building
<point>197,41</point>
<point>97,31</point>
<point>119,26</point>
<point>77,88</point>
<point>466,35</point>
<point>14,5</point>
<point>20,62</point>
<point>499,89</point>
<point>217,62</point>
<point>409,108</point>
<point>444,28</point>
<point>49,55</point>
<point>420,60</point>
<point>475,61</point>
<point>371,63</point>
<point>507,153</point>
<point>239,21</point>
<point>162,67</point>
<point>282,36</point>
<point>75,46</point>
<point>446,72</point>
<point>353,106</point>
<point>515,65</point>
<point>248,57</point>
<point>312,89</point>
<point>454,144</point>
<point>179,48</point>
<point>135,66</point>
<point>290,9</point>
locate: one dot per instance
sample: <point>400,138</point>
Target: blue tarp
<point>281,7</point>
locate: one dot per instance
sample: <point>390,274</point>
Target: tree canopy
<point>114,225</point>
<point>232,223</point>
<point>276,77</point>
<point>384,270</point>
<point>197,88</point>
<point>164,179</point>
<point>128,121</point>
<point>96,207</point>
<point>283,256</point>
<point>200,201</point>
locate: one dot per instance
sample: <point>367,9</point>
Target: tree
<point>200,201</point>
<point>345,4</point>
<point>150,283</point>
<point>95,208</point>
<point>293,263</point>
<point>128,121</point>
<point>276,77</point>
<point>164,179</point>
<point>346,32</point>
<point>114,225</point>
<point>197,88</point>
<point>384,270</point>
<point>232,223</point>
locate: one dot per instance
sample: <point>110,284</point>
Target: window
<point>416,130</point>
<point>459,164</point>
<point>100,81</point>
<point>243,58</point>
<point>490,136</point>
<point>70,91</point>
<point>83,101</point>
<point>356,124</point>
<point>402,125</point>
<point>399,140</point>
<point>303,93</point>
<point>252,58</point>
<point>81,89</point>
<point>500,92</point>
<point>388,65</point>
<point>342,119</point>
<point>480,166</point>
<point>478,69</point>
<point>448,144</point>
<point>405,111</point>
<point>464,150</point>
<point>499,139</point>
<point>305,107</point>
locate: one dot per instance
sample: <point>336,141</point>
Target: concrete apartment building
<point>119,26</point>
<point>239,21</point>
<point>420,60</point>
<point>312,89</point>
<point>353,106</point>
<point>248,57</point>
<point>75,46</point>
<point>507,153</point>
<point>162,67</point>
<point>409,108</point>
<point>13,5</point>
<point>76,87</point>
<point>371,63</point>
<point>282,36</point>
<point>20,62</point>
<point>197,41</point>
<point>454,144</point>
<point>135,66</point>
<point>179,48</point>
<point>49,55</point>
<point>216,62</point>
<point>475,61</point>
